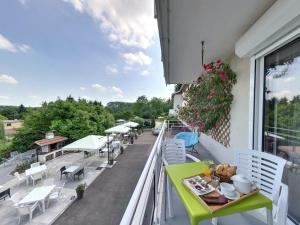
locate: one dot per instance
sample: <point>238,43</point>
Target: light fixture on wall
<point>202,52</point>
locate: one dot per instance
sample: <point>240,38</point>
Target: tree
<point>71,118</point>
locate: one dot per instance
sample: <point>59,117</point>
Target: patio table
<point>35,170</point>
<point>71,169</point>
<point>198,212</point>
<point>38,194</point>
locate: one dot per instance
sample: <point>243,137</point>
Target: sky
<point>104,50</point>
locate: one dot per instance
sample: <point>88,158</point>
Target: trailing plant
<point>209,98</point>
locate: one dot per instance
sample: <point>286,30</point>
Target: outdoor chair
<point>15,199</point>
<point>34,164</point>
<point>4,194</point>
<point>36,177</point>
<point>78,174</point>
<point>87,154</point>
<point>56,194</point>
<point>24,210</point>
<point>62,171</point>
<point>262,168</point>
<point>20,178</point>
<point>174,153</point>
<point>190,140</point>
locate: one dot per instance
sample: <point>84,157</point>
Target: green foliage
<point>70,118</point>
<point>13,112</point>
<point>139,120</point>
<point>2,117</point>
<point>177,87</point>
<point>80,188</point>
<point>210,98</point>
<point>142,108</point>
<point>20,168</point>
<point>2,136</point>
<point>5,146</point>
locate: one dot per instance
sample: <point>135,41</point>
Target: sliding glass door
<point>281,115</point>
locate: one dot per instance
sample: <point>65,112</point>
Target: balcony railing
<point>142,206</point>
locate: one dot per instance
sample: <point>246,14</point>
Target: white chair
<point>280,207</point>
<point>15,198</point>
<point>56,194</point>
<point>24,210</point>
<point>20,178</point>
<point>35,177</point>
<point>263,168</point>
<point>34,164</point>
<point>174,153</point>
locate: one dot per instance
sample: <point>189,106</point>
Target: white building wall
<point>239,114</point>
<point>178,101</point>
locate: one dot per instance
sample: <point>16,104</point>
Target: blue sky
<point>105,50</point>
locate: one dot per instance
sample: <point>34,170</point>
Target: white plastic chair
<point>263,168</point>
<point>34,164</point>
<point>280,208</point>
<point>56,194</point>
<point>15,198</point>
<point>20,178</point>
<point>35,177</point>
<point>24,210</point>
<point>174,153</point>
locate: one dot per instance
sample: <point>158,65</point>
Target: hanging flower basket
<point>209,98</point>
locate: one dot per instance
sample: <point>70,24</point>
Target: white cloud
<point>128,23</point>
<point>137,58</point>
<point>99,87</point>
<point>82,88</point>
<point>288,79</point>
<point>145,72</point>
<point>3,97</point>
<point>7,45</point>
<point>86,98</point>
<point>112,68</point>
<point>35,97</point>
<point>4,78</point>
<point>116,90</point>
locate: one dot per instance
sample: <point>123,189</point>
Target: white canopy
<point>131,124</point>
<point>120,129</point>
<point>89,143</point>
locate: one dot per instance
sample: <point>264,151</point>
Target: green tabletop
<point>196,211</point>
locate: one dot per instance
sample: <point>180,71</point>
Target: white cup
<point>227,189</point>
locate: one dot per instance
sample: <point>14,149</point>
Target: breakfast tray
<point>211,192</point>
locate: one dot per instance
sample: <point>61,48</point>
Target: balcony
<point>148,202</point>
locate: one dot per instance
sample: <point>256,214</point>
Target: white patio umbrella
<point>120,129</point>
<point>91,143</point>
<point>131,124</point>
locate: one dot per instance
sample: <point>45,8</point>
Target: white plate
<point>234,197</point>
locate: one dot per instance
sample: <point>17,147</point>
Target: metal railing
<point>141,207</point>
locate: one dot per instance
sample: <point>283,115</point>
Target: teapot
<point>243,184</point>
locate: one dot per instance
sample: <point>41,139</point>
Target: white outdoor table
<point>35,170</point>
<point>71,169</point>
<point>38,194</point>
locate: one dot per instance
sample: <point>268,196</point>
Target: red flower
<point>223,76</point>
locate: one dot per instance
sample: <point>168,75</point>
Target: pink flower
<point>223,76</point>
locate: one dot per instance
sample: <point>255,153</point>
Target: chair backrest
<point>172,153</point>
<point>5,192</point>
<point>15,198</point>
<point>63,169</point>
<point>263,168</point>
<point>36,176</point>
<point>281,211</point>
<point>35,164</point>
<point>190,138</point>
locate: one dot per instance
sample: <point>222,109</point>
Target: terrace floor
<point>8,213</point>
<point>106,199</point>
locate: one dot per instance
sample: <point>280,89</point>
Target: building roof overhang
<point>183,25</point>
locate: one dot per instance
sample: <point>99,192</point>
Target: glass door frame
<point>257,93</point>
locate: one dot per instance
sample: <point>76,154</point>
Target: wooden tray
<point>214,193</point>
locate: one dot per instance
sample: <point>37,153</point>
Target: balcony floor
<point>181,217</point>
<point>105,201</point>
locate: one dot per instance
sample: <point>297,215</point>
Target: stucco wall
<point>178,100</point>
<point>239,114</point>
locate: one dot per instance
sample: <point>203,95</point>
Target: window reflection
<point>282,115</point>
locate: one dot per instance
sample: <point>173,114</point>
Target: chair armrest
<point>165,163</point>
<point>192,158</point>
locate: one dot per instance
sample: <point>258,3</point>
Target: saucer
<point>233,197</point>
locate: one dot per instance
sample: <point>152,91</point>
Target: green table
<point>196,211</point>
